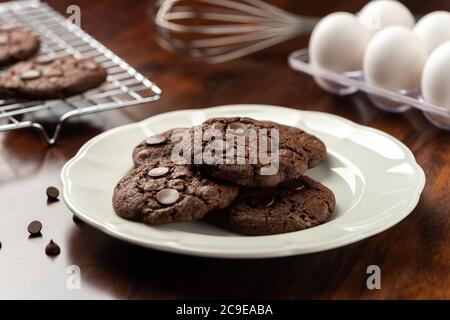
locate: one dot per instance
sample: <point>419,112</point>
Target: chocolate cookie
<point>16,44</point>
<point>51,78</point>
<point>293,206</point>
<point>296,152</point>
<point>159,192</point>
<point>158,146</point>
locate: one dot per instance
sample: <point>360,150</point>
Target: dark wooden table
<point>414,256</point>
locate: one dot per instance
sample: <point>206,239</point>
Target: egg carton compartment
<point>351,82</point>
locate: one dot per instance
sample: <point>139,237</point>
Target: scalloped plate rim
<point>233,253</point>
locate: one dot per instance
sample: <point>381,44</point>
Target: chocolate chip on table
<point>168,197</point>
<point>155,140</point>
<point>52,249</point>
<point>52,193</point>
<point>261,200</point>
<point>31,74</point>
<point>34,228</point>
<point>238,128</point>
<point>158,172</point>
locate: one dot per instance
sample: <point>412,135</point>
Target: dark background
<point>414,256</point>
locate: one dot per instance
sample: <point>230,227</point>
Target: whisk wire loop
<point>221,30</point>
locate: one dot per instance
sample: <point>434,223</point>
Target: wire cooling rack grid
<point>124,87</point>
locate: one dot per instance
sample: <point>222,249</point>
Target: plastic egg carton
<point>350,82</point>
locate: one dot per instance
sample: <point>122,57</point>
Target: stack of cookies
<point>242,174</point>
<point>42,77</point>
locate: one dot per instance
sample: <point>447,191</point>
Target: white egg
<point>377,15</point>
<point>436,77</point>
<point>394,59</point>
<point>434,29</point>
<point>338,43</point>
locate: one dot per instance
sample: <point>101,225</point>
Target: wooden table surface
<point>414,256</point>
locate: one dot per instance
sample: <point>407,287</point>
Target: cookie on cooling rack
<point>51,78</point>
<point>160,192</point>
<point>297,152</point>
<point>16,44</point>
<point>293,206</point>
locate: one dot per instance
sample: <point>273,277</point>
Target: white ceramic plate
<point>375,178</point>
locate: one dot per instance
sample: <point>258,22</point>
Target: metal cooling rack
<point>124,86</point>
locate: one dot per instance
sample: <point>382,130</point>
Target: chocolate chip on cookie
<point>44,59</point>
<point>16,44</point>
<point>167,197</point>
<point>238,128</point>
<point>155,140</point>
<point>160,192</point>
<point>158,172</point>
<point>158,146</point>
<point>51,78</point>
<point>296,152</point>
<point>30,74</point>
<point>89,65</point>
<point>293,206</point>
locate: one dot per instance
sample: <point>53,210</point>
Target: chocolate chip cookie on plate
<point>296,152</point>
<point>160,192</point>
<point>293,206</point>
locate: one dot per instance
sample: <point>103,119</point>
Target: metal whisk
<point>216,31</point>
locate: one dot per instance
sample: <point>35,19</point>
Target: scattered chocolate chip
<point>155,140</point>
<point>238,128</point>
<point>31,74</point>
<point>158,172</point>
<point>52,249</point>
<point>34,228</point>
<point>52,193</point>
<point>168,197</point>
<point>261,200</point>
<point>44,59</point>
